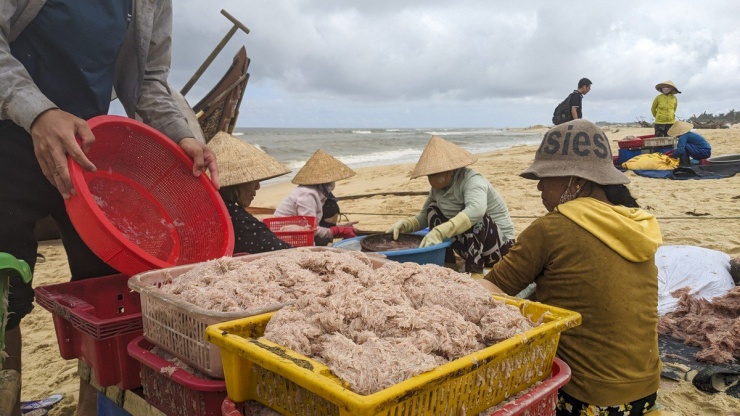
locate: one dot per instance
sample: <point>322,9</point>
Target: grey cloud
<point>516,57</point>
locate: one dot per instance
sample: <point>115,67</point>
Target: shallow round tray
<point>734,158</point>
<point>385,242</point>
<point>422,255</point>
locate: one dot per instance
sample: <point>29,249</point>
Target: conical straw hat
<point>441,156</point>
<point>322,168</point>
<point>668,84</point>
<point>680,127</point>
<point>240,162</point>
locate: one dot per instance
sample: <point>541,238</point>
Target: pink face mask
<point>666,90</point>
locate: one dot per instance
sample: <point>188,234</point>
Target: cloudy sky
<point>463,63</point>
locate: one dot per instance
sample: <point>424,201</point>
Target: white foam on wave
<point>362,132</point>
<point>295,164</point>
<point>389,157</point>
<point>466,132</point>
<point>381,158</point>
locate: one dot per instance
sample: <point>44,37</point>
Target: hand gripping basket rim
<point>86,199</point>
<point>251,363</point>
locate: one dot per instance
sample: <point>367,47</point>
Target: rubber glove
<point>339,231</point>
<point>457,225</point>
<point>408,225</point>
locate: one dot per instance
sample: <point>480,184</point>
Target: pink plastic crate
<point>632,142</point>
<point>175,392</point>
<point>94,320</point>
<point>540,400</point>
<point>294,238</point>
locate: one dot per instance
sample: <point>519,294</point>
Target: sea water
<point>374,147</point>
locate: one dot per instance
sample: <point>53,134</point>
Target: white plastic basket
<point>179,327</point>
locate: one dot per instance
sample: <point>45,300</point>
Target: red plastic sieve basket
<point>143,209</point>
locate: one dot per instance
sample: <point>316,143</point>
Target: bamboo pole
<point>237,25</point>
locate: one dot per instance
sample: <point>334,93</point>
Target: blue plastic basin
<point>428,255</point>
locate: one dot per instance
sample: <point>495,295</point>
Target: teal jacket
<point>472,194</point>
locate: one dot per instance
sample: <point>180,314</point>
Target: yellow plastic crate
<point>292,384</point>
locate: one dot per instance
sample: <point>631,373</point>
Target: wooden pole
<point>237,25</point>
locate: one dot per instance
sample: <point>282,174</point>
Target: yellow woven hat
<point>441,156</point>
<point>240,162</point>
<point>680,127</point>
<point>668,84</point>
<point>322,168</point>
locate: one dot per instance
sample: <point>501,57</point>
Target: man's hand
<point>53,133</point>
<point>203,158</point>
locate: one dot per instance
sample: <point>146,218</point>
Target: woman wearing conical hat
<point>461,205</point>
<point>241,168</point>
<point>316,181</point>
<point>690,145</point>
<point>664,107</point>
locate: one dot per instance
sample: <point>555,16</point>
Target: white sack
<point>706,272</point>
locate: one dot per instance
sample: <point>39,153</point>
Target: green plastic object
<point>9,266</point>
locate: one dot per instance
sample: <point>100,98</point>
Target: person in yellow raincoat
<point>664,107</point>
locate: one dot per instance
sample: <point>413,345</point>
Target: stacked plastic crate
<point>94,320</point>
<point>632,146</point>
<point>292,384</point>
<point>178,328</point>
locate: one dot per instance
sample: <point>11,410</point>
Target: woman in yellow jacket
<point>664,107</point>
<point>593,253</point>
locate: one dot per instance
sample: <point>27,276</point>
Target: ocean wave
<point>369,159</point>
<point>381,158</point>
<point>362,132</point>
<point>464,132</point>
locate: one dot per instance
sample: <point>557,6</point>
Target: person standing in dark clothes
<point>576,98</point>
<point>242,167</point>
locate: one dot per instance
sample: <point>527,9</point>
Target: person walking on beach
<point>690,145</point>
<point>462,205</point>
<point>316,181</point>
<point>241,168</point>
<point>55,75</point>
<point>592,253</point>
<point>576,98</point>
<point>664,107</point>
<point>572,107</point>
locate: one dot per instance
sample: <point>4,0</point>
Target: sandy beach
<point>703,213</point>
